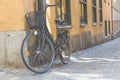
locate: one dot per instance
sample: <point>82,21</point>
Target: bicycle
<point>38,49</point>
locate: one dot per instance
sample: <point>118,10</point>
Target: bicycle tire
<point>34,61</point>
<point>65,49</point>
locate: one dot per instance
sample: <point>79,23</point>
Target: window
<point>68,11</point>
<point>106,28</point>
<point>83,12</point>
<point>63,10</point>
<point>100,11</point>
<point>109,26</point>
<point>94,14</point>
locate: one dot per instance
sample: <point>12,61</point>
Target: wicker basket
<point>34,19</point>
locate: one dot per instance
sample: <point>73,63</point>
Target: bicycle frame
<point>44,30</point>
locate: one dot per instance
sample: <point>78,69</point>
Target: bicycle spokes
<point>37,57</point>
<point>65,49</point>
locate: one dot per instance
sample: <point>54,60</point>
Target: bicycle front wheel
<point>37,53</point>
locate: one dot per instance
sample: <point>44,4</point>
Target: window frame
<point>63,12</point>
<point>94,12</point>
<point>100,12</point>
<point>83,13</point>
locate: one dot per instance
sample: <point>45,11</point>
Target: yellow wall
<point>29,5</point>
<point>75,18</point>
<point>11,15</point>
<point>99,28</point>
<point>107,12</point>
<point>51,18</point>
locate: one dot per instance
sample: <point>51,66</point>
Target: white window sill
<point>83,24</point>
<point>101,23</point>
<point>94,24</point>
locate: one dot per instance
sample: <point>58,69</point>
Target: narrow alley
<point>101,62</point>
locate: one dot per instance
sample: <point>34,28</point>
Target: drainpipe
<point>112,18</point>
<point>61,9</point>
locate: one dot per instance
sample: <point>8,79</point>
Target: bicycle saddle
<point>64,26</point>
<point>59,21</point>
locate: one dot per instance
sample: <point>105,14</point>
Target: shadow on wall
<point>86,40</point>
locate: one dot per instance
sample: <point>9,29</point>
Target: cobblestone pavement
<point>101,62</point>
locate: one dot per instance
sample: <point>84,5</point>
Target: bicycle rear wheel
<point>37,57</point>
<point>64,49</point>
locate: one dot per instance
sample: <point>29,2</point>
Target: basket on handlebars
<point>34,19</point>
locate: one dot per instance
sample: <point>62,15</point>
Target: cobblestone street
<point>101,62</point>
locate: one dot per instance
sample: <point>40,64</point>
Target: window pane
<point>100,3</point>
<point>68,12</point>
<point>83,1</point>
<point>94,17</point>
<point>94,2</point>
<point>63,12</point>
<point>106,28</point>
<point>83,12</point>
<point>101,20</point>
<point>100,11</point>
<point>109,26</point>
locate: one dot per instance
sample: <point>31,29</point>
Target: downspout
<point>112,18</point>
<point>61,9</point>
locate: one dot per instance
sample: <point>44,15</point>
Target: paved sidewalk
<point>98,63</point>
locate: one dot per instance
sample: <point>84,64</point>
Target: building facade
<point>116,18</point>
<point>91,21</point>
